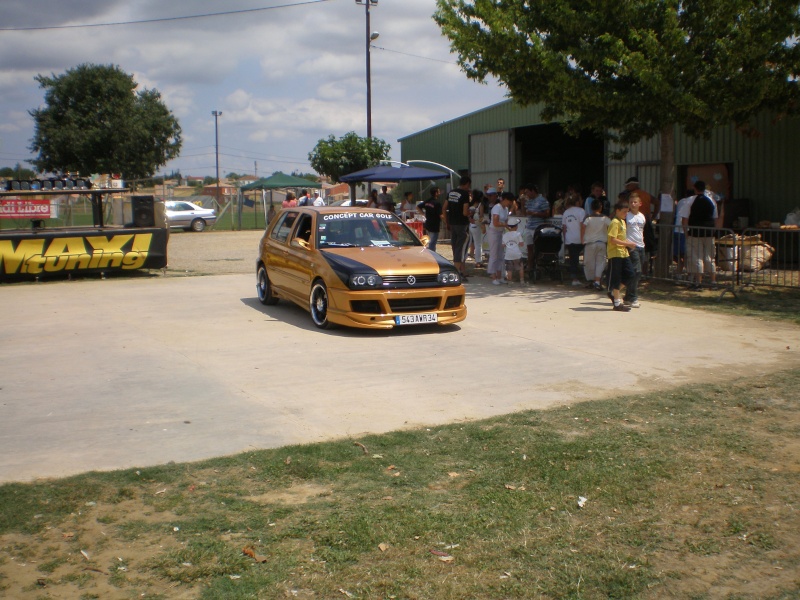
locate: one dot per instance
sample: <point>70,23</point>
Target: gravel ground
<point>222,252</point>
<point>212,252</point>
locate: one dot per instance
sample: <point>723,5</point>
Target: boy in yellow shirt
<point>620,269</point>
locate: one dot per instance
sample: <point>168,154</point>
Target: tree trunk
<point>666,213</point>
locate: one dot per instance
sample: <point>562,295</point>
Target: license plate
<point>415,319</point>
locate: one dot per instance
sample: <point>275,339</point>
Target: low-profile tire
<point>198,225</point>
<point>264,287</point>
<point>318,303</point>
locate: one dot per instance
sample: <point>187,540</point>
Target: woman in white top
<point>497,227</point>
<point>476,226</point>
<point>408,209</point>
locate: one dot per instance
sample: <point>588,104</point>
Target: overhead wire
<point>162,19</point>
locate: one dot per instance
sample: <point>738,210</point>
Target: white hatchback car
<point>189,216</point>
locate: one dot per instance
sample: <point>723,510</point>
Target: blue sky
<point>283,77</point>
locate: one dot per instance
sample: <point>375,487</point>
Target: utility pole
<point>369,37</point>
<point>217,114</point>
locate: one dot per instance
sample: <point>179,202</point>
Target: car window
<point>339,230</point>
<point>180,206</point>
<point>284,226</point>
<point>303,230</point>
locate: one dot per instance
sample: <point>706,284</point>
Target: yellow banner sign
<point>64,253</point>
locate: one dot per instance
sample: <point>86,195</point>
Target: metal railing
<point>753,256</point>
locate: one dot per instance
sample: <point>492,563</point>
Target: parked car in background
<point>358,267</point>
<point>189,216</point>
<point>348,202</point>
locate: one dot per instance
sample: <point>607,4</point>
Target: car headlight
<point>365,281</point>
<point>449,278</point>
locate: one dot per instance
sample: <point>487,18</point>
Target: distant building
<point>227,192</point>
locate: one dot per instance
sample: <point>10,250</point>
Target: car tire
<point>198,225</point>
<point>318,304</point>
<point>264,287</point>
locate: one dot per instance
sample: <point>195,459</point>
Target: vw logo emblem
<point>411,280</point>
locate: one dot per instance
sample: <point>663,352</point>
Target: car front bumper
<point>377,309</point>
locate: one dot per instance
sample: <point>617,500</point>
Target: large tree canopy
<point>348,154</point>
<point>634,68</point>
<point>95,121</point>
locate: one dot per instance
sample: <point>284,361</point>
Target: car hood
<point>410,260</point>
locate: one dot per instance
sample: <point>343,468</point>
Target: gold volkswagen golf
<point>357,267</point>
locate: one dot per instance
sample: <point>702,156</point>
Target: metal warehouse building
<point>758,174</point>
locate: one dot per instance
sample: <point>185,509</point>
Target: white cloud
<point>283,78</point>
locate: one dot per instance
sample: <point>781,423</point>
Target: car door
<point>180,214</point>
<point>301,256</point>
<point>277,250</point>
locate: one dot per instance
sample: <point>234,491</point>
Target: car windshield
<point>354,229</point>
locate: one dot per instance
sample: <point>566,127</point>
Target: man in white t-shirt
<point>571,220</point>
<point>318,201</point>
<point>679,234</point>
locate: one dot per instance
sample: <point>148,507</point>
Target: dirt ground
<point>212,252</point>
<point>223,253</point>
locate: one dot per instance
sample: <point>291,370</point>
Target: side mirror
<point>425,239</point>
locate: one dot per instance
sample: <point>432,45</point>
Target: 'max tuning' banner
<point>42,254</point>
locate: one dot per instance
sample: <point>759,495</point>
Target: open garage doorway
<point>551,159</point>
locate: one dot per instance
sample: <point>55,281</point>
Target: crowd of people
<point>617,241</point>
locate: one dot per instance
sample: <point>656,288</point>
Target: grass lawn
<point>684,493</point>
<point>774,303</point>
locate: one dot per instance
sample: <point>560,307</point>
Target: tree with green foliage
<point>313,177</point>
<point>635,69</point>
<point>17,172</point>
<point>95,121</point>
<point>349,153</point>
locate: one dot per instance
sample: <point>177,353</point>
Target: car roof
<point>327,210</point>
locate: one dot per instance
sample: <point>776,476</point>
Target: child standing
<point>571,228</point>
<point>619,262</point>
<point>595,239</point>
<point>513,243</point>
<point>635,223</point>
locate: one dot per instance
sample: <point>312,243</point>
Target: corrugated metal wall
<point>641,161</point>
<point>489,156</point>
<point>448,143</point>
<point>766,163</point>
<point>766,168</point>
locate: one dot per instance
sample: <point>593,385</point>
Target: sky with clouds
<point>284,77</point>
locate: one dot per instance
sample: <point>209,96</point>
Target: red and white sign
<point>17,208</point>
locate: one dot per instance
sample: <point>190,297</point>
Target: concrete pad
<point>107,374</point>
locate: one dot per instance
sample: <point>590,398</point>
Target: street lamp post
<point>217,114</point>
<point>369,38</point>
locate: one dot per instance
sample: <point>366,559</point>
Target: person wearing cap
<point>513,245</point>
<point>318,201</point>
<point>632,185</point>
<point>497,227</point>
